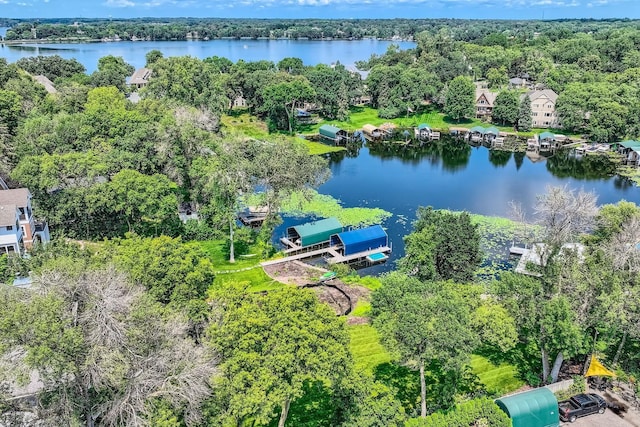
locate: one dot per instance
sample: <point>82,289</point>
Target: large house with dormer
<point>18,228</point>
<point>484,103</point>
<point>543,108</point>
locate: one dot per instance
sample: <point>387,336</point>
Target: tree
<point>51,66</point>
<point>10,110</point>
<point>506,107</point>
<point>152,57</point>
<point>173,272</point>
<point>497,77</point>
<point>478,412</point>
<point>269,346</point>
<point>148,204</point>
<point>291,66</point>
<point>421,323</point>
<point>285,97</point>
<point>524,114</point>
<point>112,71</point>
<point>444,245</point>
<point>102,349</point>
<point>459,102</point>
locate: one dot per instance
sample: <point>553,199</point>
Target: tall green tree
<point>460,98</point>
<point>282,99</point>
<point>524,114</point>
<point>269,346</point>
<point>506,107</point>
<point>421,323</point>
<point>444,245</point>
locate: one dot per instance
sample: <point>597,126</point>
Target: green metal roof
<point>547,135</point>
<point>423,126</point>
<point>533,408</point>
<point>329,131</point>
<point>315,232</point>
<point>630,144</point>
<point>478,129</point>
<point>492,130</point>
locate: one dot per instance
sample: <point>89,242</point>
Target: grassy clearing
<point>366,348</point>
<point>500,379</point>
<point>317,148</point>
<point>370,282</point>
<point>251,126</point>
<point>245,269</point>
<point>362,309</point>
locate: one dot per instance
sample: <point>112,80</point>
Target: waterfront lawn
<point>243,123</point>
<point>497,379</point>
<point>366,348</point>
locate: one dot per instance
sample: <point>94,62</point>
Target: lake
<point>311,52</point>
<point>453,175</point>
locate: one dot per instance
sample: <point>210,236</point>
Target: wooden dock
<point>333,256</point>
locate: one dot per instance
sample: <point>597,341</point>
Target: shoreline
<point>186,39</point>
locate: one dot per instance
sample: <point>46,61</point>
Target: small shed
<point>314,232</point>
<point>548,136</point>
<point>332,133</point>
<point>533,408</point>
<point>361,240</point>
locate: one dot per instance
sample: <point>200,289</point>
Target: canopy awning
<point>597,369</point>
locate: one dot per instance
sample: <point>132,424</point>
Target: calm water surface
<point>454,175</point>
<point>311,52</point>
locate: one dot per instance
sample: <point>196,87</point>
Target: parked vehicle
<point>581,405</point>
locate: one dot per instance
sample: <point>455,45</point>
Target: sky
<point>500,9</point>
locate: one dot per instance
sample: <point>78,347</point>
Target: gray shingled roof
<point>535,94</point>
<point>8,215</point>
<point>17,196</point>
<point>140,76</point>
<point>48,85</point>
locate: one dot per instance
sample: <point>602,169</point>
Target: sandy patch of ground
<point>340,296</point>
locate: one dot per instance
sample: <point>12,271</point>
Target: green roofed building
<point>533,408</point>
<point>333,134</point>
<point>547,135</point>
<point>313,233</point>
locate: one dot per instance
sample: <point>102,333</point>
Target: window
<point>549,106</point>
<point>536,105</point>
<point>9,227</point>
<point>534,114</point>
<point>482,101</point>
<point>547,123</point>
<point>547,114</point>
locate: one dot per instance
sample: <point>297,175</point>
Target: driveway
<point>608,419</point>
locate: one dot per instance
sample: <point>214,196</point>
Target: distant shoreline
<point>80,40</point>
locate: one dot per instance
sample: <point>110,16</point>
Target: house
<point>239,102</point>
<point>518,83</point>
<point>484,103</point>
<point>423,131</point>
<point>44,81</point>
<point>18,228</point>
<point>543,108</point>
<point>140,78</point>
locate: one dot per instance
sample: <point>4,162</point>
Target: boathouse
<point>313,233</point>
<point>360,240</point>
<point>371,131</point>
<point>476,134</point>
<point>631,152</point>
<point>333,134</point>
<point>423,131</point>
<point>491,133</point>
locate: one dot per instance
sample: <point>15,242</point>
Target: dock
<point>331,254</point>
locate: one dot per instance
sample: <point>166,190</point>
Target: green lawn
<point>499,379</point>
<point>245,269</point>
<point>366,348</point>
<point>361,116</point>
